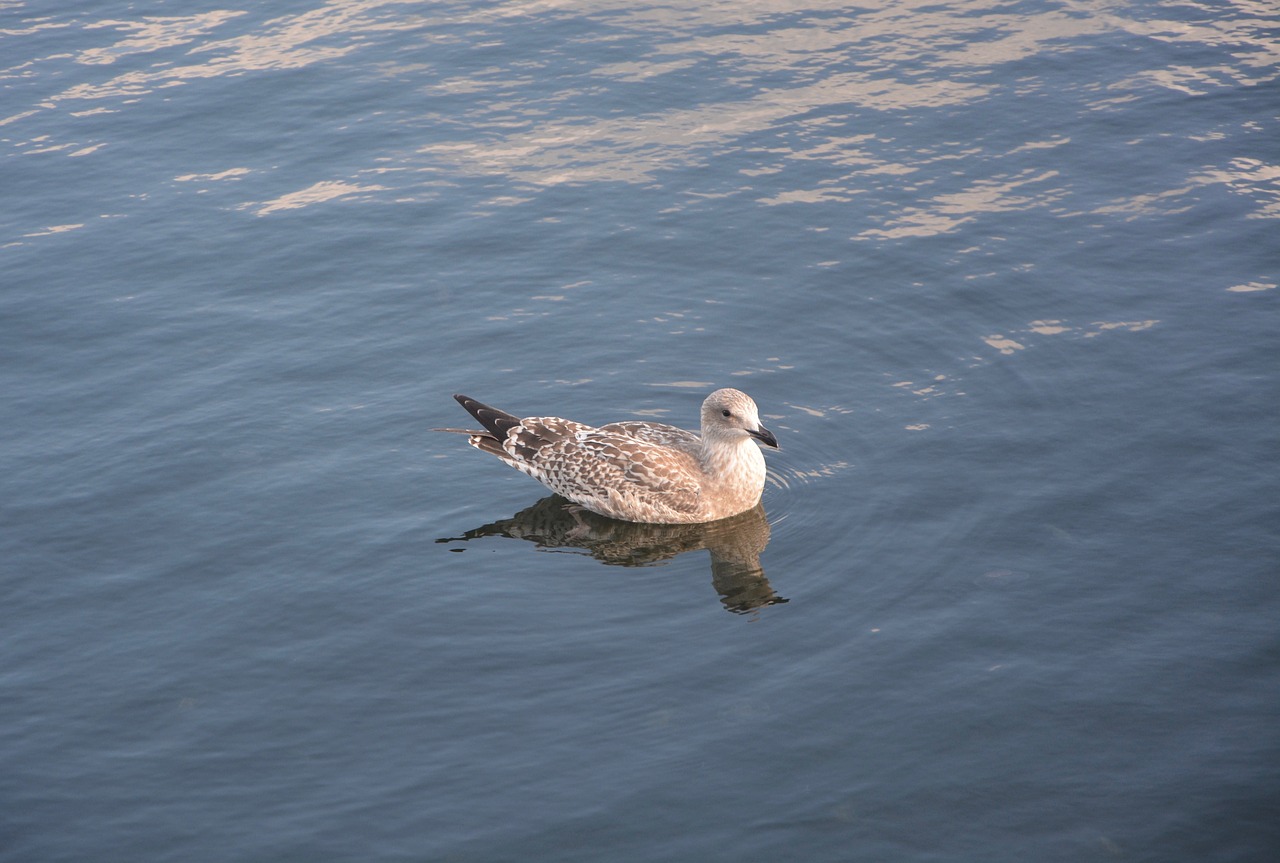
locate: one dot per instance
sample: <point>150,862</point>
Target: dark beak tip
<point>766,437</point>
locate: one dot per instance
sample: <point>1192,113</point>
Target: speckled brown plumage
<point>636,470</point>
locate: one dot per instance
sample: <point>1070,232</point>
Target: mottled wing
<point>603,467</point>
<point>656,433</point>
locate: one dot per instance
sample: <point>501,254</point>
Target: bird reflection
<point>735,544</point>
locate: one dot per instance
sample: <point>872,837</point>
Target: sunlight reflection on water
<point>793,82</point>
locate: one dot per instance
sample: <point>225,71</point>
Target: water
<point>1002,279</point>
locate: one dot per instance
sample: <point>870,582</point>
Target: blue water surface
<point>1001,277</point>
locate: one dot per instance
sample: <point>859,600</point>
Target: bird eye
<point>726,413</point>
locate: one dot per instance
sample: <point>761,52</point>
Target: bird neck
<point>733,460</point>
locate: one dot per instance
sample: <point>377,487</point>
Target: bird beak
<point>765,436</point>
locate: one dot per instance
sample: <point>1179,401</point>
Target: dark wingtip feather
<point>497,422</point>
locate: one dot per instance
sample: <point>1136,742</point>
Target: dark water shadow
<point>735,544</point>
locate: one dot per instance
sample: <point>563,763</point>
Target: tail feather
<point>497,422</point>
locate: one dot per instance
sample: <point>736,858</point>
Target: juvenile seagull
<point>637,470</point>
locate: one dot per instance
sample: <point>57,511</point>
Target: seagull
<point>637,470</point>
